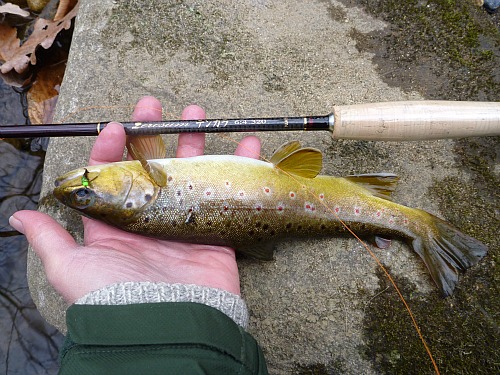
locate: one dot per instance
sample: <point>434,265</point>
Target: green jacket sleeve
<point>157,338</point>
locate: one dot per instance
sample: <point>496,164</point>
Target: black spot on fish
<point>272,233</point>
<point>323,227</point>
<point>178,192</point>
<point>299,227</point>
<point>288,225</point>
<point>251,232</point>
<point>258,224</point>
<point>174,223</point>
<point>228,224</point>
<point>209,223</point>
<point>169,179</point>
<point>265,227</point>
<point>259,239</point>
<point>146,219</point>
<point>129,204</point>
<point>190,217</point>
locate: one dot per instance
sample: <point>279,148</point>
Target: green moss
<point>335,367</point>
<point>442,48</point>
<point>446,50</point>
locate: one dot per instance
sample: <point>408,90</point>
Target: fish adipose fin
<point>446,251</point>
<point>380,184</point>
<point>154,170</point>
<point>304,162</point>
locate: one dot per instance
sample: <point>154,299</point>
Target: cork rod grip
<point>416,120</point>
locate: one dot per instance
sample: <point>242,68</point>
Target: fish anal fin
<point>148,147</point>
<point>380,184</point>
<point>154,169</point>
<point>382,243</point>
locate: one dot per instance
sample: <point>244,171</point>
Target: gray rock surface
<point>253,58</point>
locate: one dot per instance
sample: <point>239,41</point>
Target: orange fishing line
<point>372,254</point>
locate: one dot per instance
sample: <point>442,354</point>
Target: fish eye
<point>82,198</point>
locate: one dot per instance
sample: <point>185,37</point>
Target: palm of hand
<point>110,255</point>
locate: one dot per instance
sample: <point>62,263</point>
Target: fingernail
<point>16,224</point>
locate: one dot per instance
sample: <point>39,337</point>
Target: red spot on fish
<point>337,210</point>
<point>267,190</point>
<point>226,208</point>
<point>322,196</point>
<point>258,207</point>
<point>378,214</point>
<point>241,193</point>
<point>292,195</point>
<point>357,211</point>
<point>280,207</point>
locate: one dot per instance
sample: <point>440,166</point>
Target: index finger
<point>110,143</point>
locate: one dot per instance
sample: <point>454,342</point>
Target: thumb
<point>50,241</point>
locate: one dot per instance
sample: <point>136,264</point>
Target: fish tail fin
<point>446,251</point>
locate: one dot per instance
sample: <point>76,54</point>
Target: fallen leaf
<point>64,7</point>
<point>14,9</point>
<point>43,94</point>
<point>19,57</point>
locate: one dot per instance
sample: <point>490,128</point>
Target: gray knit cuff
<point>147,292</point>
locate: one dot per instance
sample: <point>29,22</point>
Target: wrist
<point>127,293</point>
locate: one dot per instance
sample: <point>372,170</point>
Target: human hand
<point>110,255</point>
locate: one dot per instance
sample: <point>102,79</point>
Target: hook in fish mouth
<point>75,178</point>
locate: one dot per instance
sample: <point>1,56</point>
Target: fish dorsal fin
<point>283,151</point>
<point>149,146</point>
<point>380,184</point>
<point>304,162</point>
<point>154,169</point>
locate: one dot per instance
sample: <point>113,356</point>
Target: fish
<point>251,205</point>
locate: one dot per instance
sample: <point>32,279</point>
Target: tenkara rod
<point>388,121</point>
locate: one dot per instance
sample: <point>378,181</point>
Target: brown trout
<point>250,204</point>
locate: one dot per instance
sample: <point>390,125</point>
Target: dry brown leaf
<point>8,41</point>
<point>44,33</point>
<point>14,9</point>
<point>42,96</point>
<point>64,7</point>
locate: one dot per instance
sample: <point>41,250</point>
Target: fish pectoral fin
<point>154,170</point>
<point>304,162</point>
<point>148,147</point>
<point>380,184</point>
<point>264,251</point>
